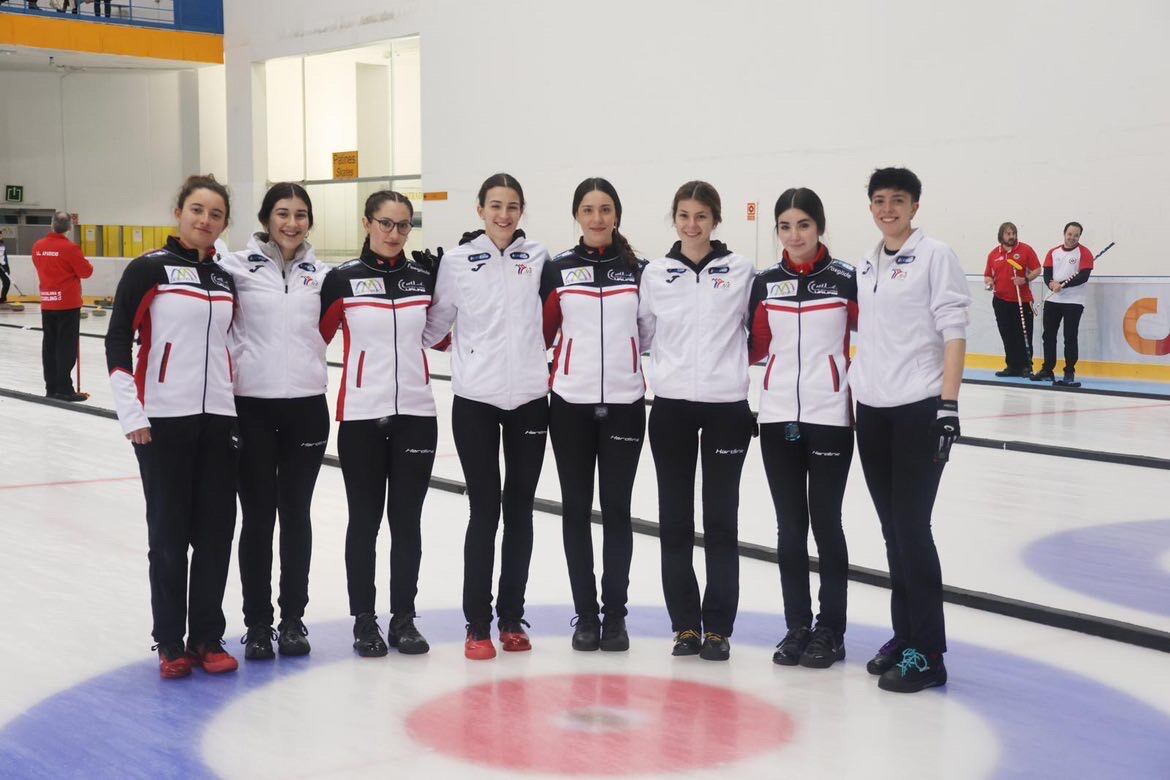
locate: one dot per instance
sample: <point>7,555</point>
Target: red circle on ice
<point>599,724</point>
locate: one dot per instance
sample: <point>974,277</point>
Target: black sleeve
<point>135,290</point>
<point>1047,276</point>
<point>1079,278</point>
<point>550,280</point>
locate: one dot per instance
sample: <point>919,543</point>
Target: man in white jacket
<point>911,340</point>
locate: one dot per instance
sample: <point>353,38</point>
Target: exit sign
<point>13,193</point>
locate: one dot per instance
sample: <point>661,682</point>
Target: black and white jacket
<point>801,317</point>
<point>591,299</point>
<point>381,308</point>
<point>275,341</point>
<point>181,309</point>
<point>693,321</point>
<point>492,299</point>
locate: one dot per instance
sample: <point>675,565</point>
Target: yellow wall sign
<point>345,165</point>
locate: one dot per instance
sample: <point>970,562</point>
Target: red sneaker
<point>172,661</point>
<point>212,658</point>
<point>512,636</point>
<point>478,646</point>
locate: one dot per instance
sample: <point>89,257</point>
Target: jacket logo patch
<point>840,270</point>
<point>868,267</point>
<point>479,257</point>
<point>481,265</point>
<point>620,276</point>
<point>577,275</point>
<point>255,258</point>
<point>674,273</point>
<point>368,286</point>
<point>904,259</point>
<point>307,267</point>
<point>523,269</point>
<point>720,284</point>
<point>179,274</point>
<point>823,288</point>
<point>785,289</point>
<point>410,285</point>
<point>308,281</point>
<point>519,255</point>
<point>719,269</point>
<point>219,281</point>
<point>898,273</point>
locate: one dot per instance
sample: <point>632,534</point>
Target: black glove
<point>945,429</point>
<point>428,260</point>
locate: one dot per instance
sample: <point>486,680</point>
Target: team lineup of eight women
<point>227,395</point>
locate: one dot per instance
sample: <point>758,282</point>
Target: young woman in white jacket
<point>692,316</point>
<point>280,380</point>
<point>488,289</point>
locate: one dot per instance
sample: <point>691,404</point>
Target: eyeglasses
<point>388,225</point>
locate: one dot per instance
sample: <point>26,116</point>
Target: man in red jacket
<point>60,267</point>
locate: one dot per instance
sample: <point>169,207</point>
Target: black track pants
<point>282,442</point>
<point>478,429</point>
<point>189,480</point>
<point>807,479</point>
<point>398,452</point>
<point>679,432</point>
<point>580,443</point>
<point>61,331</point>
<point>897,451</point>
<point>1054,314</point>
<point>1017,339</point>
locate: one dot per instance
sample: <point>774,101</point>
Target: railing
<point>188,15</point>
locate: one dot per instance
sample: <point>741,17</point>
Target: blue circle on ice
<point>1049,722</point>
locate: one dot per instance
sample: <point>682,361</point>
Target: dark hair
<point>278,192</point>
<point>1073,224</point>
<point>375,201</point>
<point>597,184</point>
<point>1005,226</point>
<point>902,179</point>
<point>205,182</point>
<point>702,192</point>
<point>499,180</point>
<point>804,199</point>
<point>62,222</point>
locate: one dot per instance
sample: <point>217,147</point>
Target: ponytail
<point>624,249</point>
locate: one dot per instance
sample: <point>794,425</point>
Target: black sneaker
<point>887,655</point>
<point>586,633</point>
<point>915,672</point>
<point>258,643</point>
<point>791,646</point>
<point>687,642</point>
<point>1007,372</point>
<point>715,647</point>
<point>1043,375</point>
<point>1069,380</point>
<point>292,637</point>
<point>824,649</point>
<point>367,639</point>
<point>403,635</point>
<point>614,638</point>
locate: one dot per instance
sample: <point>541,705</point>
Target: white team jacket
<point>275,342</point>
<point>694,325</point>
<point>909,306</point>
<point>492,299</point>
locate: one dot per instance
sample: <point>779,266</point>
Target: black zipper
<point>207,349</point>
<point>394,311</point>
<point>799,356</point>
<point>601,311</point>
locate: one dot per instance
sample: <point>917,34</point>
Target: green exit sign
<point>13,193</point>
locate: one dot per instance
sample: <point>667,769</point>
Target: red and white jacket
<point>590,297</point>
<point>381,307</point>
<point>181,308</point>
<point>1070,267</point>
<point>801,317</point>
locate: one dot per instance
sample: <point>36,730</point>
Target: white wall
<point>1037,112</point>
<point>112,146</point>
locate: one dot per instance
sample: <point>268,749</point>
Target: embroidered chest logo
<point>904,259</point>
<point>522,269</point>
<point>784,289</point>
<point>620,276</point>
<point>259,261</point>
<point>307,267</point>
<point>720,284</point>
<point>718,269</point>
<point>308,281</point>
<point>179,274</point>
<point>481,265</point>
<point>479,257</point>
<point>868,267</point>
<point>674,273</point>
<point>219,281</point>
<point>519,255</point>
<point>368,286</point>
<point>411,285</point>
<point>577,275</point>
<point>898,273</point>
<point>823,288</point>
